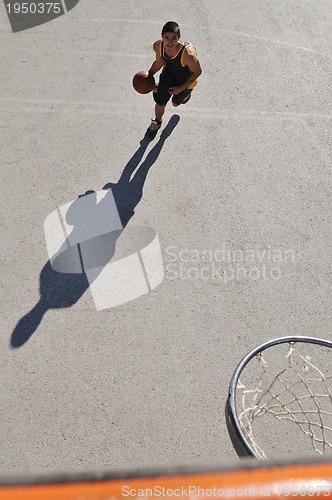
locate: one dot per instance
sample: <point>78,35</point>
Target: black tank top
<point>173,67</point>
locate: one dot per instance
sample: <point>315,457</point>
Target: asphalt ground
<point>243,176</point>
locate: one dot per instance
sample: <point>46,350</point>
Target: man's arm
<point>158,63</point>
<point>190,59</point>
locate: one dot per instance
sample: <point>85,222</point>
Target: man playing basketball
<point>181,69</point>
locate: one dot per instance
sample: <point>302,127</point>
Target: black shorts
<point>163,96</point>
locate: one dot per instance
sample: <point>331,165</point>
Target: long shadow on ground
<point>61,290</point>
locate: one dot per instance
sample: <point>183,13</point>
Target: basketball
<point>143,83</point>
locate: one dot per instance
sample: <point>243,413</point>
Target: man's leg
<point>181,98</point>
<point>161,97</point>
<point>156,123</point>
<point>159,110</point>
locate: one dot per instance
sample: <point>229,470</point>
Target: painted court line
<point>199,113</point>
<point>64,6</point>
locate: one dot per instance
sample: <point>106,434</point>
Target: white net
<point>292,389</point>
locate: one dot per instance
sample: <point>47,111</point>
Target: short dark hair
<point>171,27</point>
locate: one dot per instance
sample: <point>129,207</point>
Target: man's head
<point>171,27</point>
<point>170,34</point>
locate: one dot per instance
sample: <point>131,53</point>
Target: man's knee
<point>181,98</point>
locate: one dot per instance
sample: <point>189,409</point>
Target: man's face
<point>170,40</point>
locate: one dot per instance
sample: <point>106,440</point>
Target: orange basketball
<point>143,83</point>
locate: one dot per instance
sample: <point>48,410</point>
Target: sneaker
<point>186,99</point>
<point>153,129</point>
